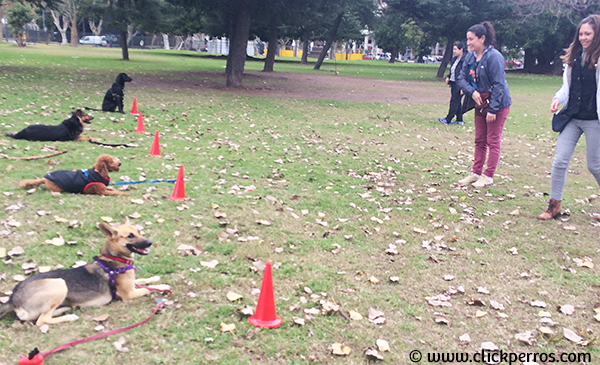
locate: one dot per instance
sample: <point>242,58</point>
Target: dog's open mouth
<point>139,249</point>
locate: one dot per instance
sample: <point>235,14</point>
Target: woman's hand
<point>476,97</point>
<point>490,118</point>
<point>554,105</point>
<point>447,80</point>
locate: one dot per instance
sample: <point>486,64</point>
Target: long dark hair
<point>575,48</point>
<point>484,29</point>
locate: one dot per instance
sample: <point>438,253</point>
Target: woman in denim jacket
<point>580,96</point>
<point>483,73</point>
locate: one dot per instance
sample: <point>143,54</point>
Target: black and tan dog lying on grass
<point>91,181</point>
<point>43,296</point>
<point>69,130</point>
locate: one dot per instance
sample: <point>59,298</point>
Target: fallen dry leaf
<point>526,337</point>
<point>119,344</point>
<point>210,264</point>
<point>16,251</point>
<point>571,335</point>
<point>101,318</point>
<point>246,311</point>
<point>137,201</point>
<point>465,338</point>
<point>340,350</point>
<point>263,222</point>
<point>373,354</point>
<point>232,297</point>
<point>538,303</point>
<point>489,346</point>
<point>354,315</point>
<point>227,327</point>
<point>383,345</point>
<point>219,214</point>
<point>567,309</point>
<point>56,241</point>
<point>299,321</point>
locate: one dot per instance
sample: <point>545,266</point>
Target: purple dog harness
<point>113,273</point>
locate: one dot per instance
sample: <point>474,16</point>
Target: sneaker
<point>459,122</point>
<point>468,180</point>
<point>483,181</point>
<point>443,120</point>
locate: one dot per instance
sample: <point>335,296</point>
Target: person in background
<point>580,96</point>
<point>482,78</point>
<point>455,108</point>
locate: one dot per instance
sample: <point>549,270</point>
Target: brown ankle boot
<point>552,212</point>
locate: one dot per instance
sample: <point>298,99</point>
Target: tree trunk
<point>394,55</point>
<point>74,36</point>
<point>1,25</point>
<point>273,43</point>
<point>240,29</point>
<point>96,29</point>
<point>446,59</point>
<point>166,41</point>
<point>304,60</point>
<point>62,29</point>
<point>124,47</point>
<point>528,60</point>
<point>329,42</point>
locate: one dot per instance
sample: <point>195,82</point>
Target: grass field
<point>339,182</point>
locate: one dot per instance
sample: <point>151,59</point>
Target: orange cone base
<point>262,323</point>
<point>172,197</point>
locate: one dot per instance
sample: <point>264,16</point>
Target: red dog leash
<point>37,358</point>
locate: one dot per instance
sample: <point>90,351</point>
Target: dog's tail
<point>6,308</point>
<point>96,110</point>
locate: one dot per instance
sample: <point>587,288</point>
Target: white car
<point>94,40</point>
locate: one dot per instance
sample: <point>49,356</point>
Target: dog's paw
<point>160,287</point>
<point>71,317</point>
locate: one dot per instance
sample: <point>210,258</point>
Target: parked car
<point>513,63</point>
<point>94,40</point>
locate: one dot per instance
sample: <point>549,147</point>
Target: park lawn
<point>339,182</point>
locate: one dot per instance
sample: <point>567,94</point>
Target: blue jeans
<point>565,146</point>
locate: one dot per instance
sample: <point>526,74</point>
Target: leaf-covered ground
<point>373,244</point>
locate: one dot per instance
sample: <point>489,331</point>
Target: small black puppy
<point>113,98</point>
<point>69,130</point>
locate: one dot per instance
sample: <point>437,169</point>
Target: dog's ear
<point>102,164</point>
<point>79,113</point>
<point>107,230</point>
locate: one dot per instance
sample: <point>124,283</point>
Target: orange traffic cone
<point>265,315</point>
<point>155,151</point>
<point>140,126</point>
<point>134,110</point>
<point>179,190</point>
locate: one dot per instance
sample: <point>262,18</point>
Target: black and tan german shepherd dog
<point>69,130</point>
<point>43,296</point>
